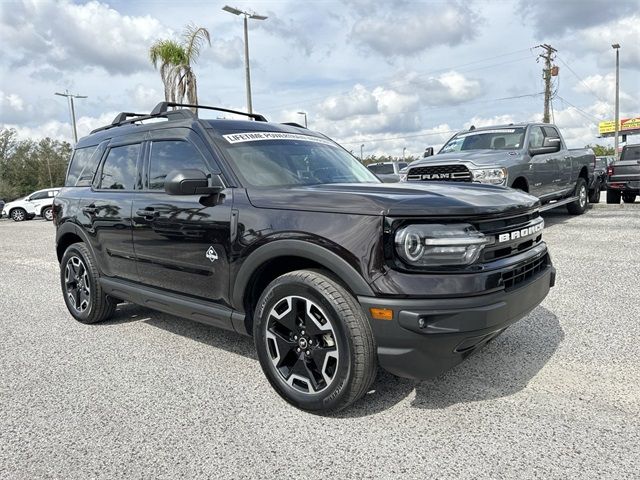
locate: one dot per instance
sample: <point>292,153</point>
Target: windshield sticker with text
<point>262,136</point>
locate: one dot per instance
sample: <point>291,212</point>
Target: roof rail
<point>123,118</point>
<point>162,108</point>
<point>294,124</point>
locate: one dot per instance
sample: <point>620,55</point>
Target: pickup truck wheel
<point>47,214</point>
<point>580,205</point>
<point>314,342</point>
<point>81,287</point>
<point>628,197</point>
<point>594,196</point>
<point>613,197</point>
<point>18,214</point>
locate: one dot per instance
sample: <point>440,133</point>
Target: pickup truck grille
<point>449,173</point>
<point>524,272</point>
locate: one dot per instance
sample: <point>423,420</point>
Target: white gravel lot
<point>148,395</point>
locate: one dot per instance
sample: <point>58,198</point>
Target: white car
<point>38,203</point>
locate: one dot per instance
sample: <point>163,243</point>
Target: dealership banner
<point>626,124</point>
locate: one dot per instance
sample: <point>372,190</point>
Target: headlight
<point>403,174</point>
<point>433,245</point>
<point>494,176</point>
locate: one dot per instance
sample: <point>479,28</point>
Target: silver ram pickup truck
<point>532,157</point>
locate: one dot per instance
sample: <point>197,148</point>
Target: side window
<point>536,137</point>
<point>168,155</point>
<point>550,132</point>
<point>119,169</point>
<point>39,196</point>
<point>82,168</point>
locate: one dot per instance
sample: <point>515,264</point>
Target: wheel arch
<point>282,256</point>
<point>521,183</point>
<point>68,234</point>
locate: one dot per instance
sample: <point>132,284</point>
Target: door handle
<point>89,209</point>
<point>147,213</point>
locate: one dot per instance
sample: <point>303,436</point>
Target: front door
<point>545,167</point>
<point>181,242</point>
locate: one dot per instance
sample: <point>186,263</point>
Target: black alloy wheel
<point>314,342</point>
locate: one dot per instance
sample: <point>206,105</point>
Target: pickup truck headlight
<point>494,176</point>
<point>433,245</point>
<point>403,174</point>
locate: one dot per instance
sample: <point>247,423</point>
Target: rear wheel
<point>314,342</point>
<point>18,214</point>
<point>580,205</point>
<point>83,294</point>
<point>47,214</point>
<point>613,197</point>
<point>628,197</point>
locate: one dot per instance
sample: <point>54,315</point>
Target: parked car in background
<point>531,157</point>
<point>623,176</point>
<point>38,203</point>
<point>600,168</point>
<point>388,172</point>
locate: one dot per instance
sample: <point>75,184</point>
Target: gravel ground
<point>148,395</point>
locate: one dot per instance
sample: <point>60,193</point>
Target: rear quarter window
<point>82,167</point>
<point>631,152</point>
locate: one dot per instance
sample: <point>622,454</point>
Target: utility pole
<point>616,47</point>
<point>72,110</point>
<point>546,76</point>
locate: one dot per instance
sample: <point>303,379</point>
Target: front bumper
<point>429,336</point>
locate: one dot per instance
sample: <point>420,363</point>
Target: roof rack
<point>294,124</point>
<point>162,107</point>
<point>161,110</point>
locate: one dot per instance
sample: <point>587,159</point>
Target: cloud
<point>604,88</point>
<point>71,36</point>
<point>228,53</point>
<point>13,107</point>
<point>552,18</point>
<point>290,30</point>
<point>359,101</point>
<point>60,130</point>
<point>450,88</point>
<point>144,98</point>
<point>598,40</point>
<point>410,30</point>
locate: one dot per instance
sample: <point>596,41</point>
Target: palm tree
<point>175,60</point>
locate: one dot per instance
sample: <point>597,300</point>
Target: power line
<point>586,115</point>
<point>580,79</point>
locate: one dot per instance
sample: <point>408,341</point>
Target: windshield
<point>275,159</point>
<point>494,139</point>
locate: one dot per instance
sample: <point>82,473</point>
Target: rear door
<point>104,211</point>
<point>182,242</point>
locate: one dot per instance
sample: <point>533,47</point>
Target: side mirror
<point>191,181</point>
<point>428,152</point>
<point>549,145</point>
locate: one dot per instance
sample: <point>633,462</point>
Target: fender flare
<point>70,227</point>
<point>298,248</point>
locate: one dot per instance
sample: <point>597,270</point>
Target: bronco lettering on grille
<point>524,232</point>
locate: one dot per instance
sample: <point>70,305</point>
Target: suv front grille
<point>495,227</point>
<point>524,272</point>
<point>450,173</point>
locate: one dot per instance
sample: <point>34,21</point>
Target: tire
<point>18,214</point>
<point>594,196</point>
<point>580,205</point>
<point>628,197</point>
<point>47,213</point>
<point>77,272</point>
<point>613,197</point>
<point>332,331</point>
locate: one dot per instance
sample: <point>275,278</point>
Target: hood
<point>479,157</point>
<point>434,199</point>
<point>17,200</point>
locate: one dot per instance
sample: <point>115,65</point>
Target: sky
<point>390,75</point>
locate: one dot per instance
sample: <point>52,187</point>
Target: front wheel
<point>18,214</point>
<point>628,197</point>
<point>579,206</point>
<point>314,343</point>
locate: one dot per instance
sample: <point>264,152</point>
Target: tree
<point>601,150</point>
<point>175,61</point>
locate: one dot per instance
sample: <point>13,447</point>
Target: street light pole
<point>616,47</point>
<point>404,149</point>
<point>72,111</point>
<point>247,70</point>
<point>361,157</point>
<point>305,118</point>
